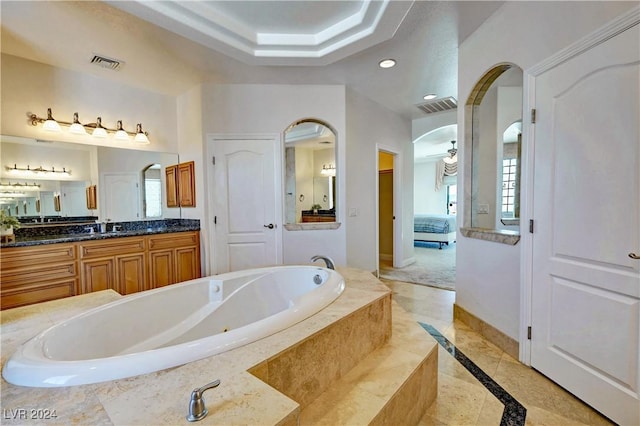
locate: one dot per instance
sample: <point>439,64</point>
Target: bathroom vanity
<point>52,267</point>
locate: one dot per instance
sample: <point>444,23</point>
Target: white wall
<point>425,197</point>
<point>270,109</point>
<point>32,87</point>
<point>369,124</point>
<point>524,33</point>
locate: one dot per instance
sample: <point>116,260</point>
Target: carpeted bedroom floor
<point>433,267</point>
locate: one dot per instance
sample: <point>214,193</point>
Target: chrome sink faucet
<point>326,259</point>
<point>197,409</point>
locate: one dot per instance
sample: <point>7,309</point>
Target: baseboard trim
<point>489,332</point>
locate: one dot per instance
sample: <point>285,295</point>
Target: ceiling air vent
<point>438,105</point>
<point>104,62</point>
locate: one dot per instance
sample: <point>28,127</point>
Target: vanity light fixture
<point>387,63</point>
<point>98,130</point>
<point>24,186</point>
<point>50,124</point>
<point>328,170</point>
<point>121,135</point>
<point>40,169</point>
<point>76,127</point>
<point>141,137</point>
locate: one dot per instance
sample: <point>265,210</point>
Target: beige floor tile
<point>491,412</point>
<point>535,391</point>
<point>458,402</point>
<point>462,400</point>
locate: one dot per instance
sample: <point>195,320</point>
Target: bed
<point>436,228</point>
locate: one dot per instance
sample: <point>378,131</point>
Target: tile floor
<point>462,399</point>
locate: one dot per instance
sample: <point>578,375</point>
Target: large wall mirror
<point>310,172</point>
<point>43,181</point>
<point>494,139</point>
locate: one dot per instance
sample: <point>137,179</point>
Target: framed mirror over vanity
<point>62,182</point>
<point>310,173</point>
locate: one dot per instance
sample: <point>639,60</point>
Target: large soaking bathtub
<point>173,325</point>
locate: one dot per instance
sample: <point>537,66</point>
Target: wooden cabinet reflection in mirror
<point>92,197</point>
<point>181,186</point>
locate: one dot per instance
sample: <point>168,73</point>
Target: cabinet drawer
<point>20,257</point>
<point>37,273</point>
<point>178,239</point>
<point>93,249</point>
<point>35,293</point>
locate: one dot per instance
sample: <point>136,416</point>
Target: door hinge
<point>213,160</point>
<point>529,333</point>
<point>533,116</point>
<point>531,226</point>
<point>215,220</point>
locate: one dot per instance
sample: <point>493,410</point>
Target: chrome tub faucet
<point>197,409</point>
<point>326,259</point>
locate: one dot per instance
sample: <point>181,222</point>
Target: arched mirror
<point>310,172</point>
<point>152,191</point>
<point>493,137</point>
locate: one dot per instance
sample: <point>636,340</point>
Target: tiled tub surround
<point>60,233</point>
<point>333,354</point>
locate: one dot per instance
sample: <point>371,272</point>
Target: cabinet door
<point>171,182</point>
<point>186,184</point>
<point>98,275</point>
<point>130,273</point>
<point>162,269</point>
<point>187,264</point>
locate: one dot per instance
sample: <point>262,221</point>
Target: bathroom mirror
<point>68,169</point>
<point>310,172</point>
<point>493,138</point>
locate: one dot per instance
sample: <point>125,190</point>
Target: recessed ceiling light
<point>387,63</point>
<point>429,96</point>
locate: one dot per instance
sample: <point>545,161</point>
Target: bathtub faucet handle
<point>326,259</point>
<point>197,409</point>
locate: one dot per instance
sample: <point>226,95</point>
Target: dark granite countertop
<point>53,238</point>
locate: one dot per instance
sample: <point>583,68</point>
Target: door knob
<point>270,226</point>
<point>634,256</point>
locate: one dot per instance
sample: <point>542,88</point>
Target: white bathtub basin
<point>173,325</point>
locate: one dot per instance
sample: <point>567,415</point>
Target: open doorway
<point>435,213</point>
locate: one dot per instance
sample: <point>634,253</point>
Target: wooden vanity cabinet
<point>187,184</point>
<point>38,274</point>
<point>174,258</point>
<point>171,184</point>
<point>127,265</point>
<point>181,185</point>
<point>118,264</point>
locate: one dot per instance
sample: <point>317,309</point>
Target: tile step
<point>393,384</point>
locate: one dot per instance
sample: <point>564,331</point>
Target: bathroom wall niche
<point>310,172</point>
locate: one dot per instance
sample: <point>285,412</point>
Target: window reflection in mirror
<point>152,196</point>
<point>310,172</point>
<point>496,114</point>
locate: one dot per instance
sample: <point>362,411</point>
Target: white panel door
<point>121,197</point>
<point>245,199</point>
<point>585,285</point>
<point>74,199</point>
